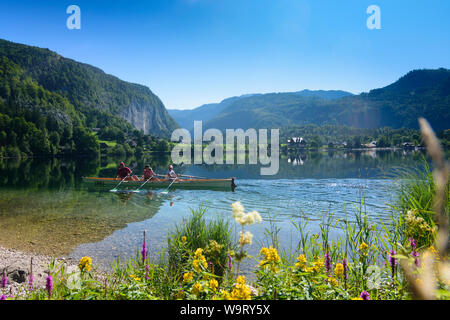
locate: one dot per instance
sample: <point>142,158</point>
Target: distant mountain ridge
<point>93,93</point>
<point>419,93</point>
<point>207,112</point>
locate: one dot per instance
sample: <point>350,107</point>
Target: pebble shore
<point>16,264</point>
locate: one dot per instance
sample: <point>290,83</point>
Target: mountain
<point>324,94</point>
<point>98,99</point>
<point>420,93</point>
<point>186,118</point>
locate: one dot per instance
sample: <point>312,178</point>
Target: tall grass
<point>214,236</point>
<point>414,200</point>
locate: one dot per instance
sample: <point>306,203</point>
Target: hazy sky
<point>192,52</point>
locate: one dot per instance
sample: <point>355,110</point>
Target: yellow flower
<point>213,284</point>
<point>183,239</point>
<point>363,246</point>
<point>225,294</point>
<point>188,276</point>
<point>197,288</point>
<point>333,281</point>
<point>85,264</point>
<point>270,256</point>
<point>318,265</point>
<point>198,252</point>
<point>135,278</point>
<point>301,262</point>
<point>339,270</point>
<point>241,291</point>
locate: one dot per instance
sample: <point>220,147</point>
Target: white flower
<point>244,218</point>
<point>237,208</point>
<point>245,238</point>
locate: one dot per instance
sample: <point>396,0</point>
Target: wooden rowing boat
<point>216,184</point>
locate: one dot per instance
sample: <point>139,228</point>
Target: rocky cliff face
<point>90,90</point>
<point>149,118</point>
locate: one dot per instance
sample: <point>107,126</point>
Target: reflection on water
<point>45,207</point>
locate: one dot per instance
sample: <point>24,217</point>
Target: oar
<point>115,188</point>
<point>167,190</point>
<point>181,175</point>
<point>137,190</point>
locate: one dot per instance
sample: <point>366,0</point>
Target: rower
<point>123,172</point>
<point>149,173</point>
<point>170,173</point>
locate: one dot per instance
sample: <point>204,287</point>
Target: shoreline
<point>16,264</point>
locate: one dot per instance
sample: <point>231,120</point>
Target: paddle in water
<point>137,190</point>
<point>115,188</point>
<point>167,190</point>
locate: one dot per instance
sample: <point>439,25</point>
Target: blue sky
<point>192,52</point>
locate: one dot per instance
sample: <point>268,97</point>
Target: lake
<point>46,208</point>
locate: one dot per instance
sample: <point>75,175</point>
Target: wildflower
<point>318,265</point>
<point>225,294</point>
<point>244,218</point>
<point>147,270</point>
<point>2,297</point>
<point>392,260</point>
<point>198,253</point>
<point>230,262</point>
<point>270,257</point>
<point>301,262</point>
<point>339,270</point>
<point>333,281</point>
<point>144,251</point>
<point>345,270</point>
<point>197,288</point>
<point>327,262</point>
<point>188,276</point>
<point>183,239</point>
<point>199,260</point>
<point>49,285</point>
<point>4,279</point>
<point>134,277</point>
<point>85,264</point>
<point>363,247</point>
<point>241,291</point>
<point>412,243</point>
<point>245,238</point>
<point>365,295</point>
<point>31,282</point>
<point>415,254</point>
<point>213,284</point>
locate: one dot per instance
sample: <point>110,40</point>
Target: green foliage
<point>214,236</point>
<point>414,202</point>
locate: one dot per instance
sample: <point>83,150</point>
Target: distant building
<point>372,144</point>
<point>297,141</point>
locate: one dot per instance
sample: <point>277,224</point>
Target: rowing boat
<point>216,184</point>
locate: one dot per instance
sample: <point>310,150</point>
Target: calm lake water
<point>46,208</point>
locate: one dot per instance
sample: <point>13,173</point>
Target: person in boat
<point>171,174</point>
<point>149,174</point>
<point>124,172</point>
